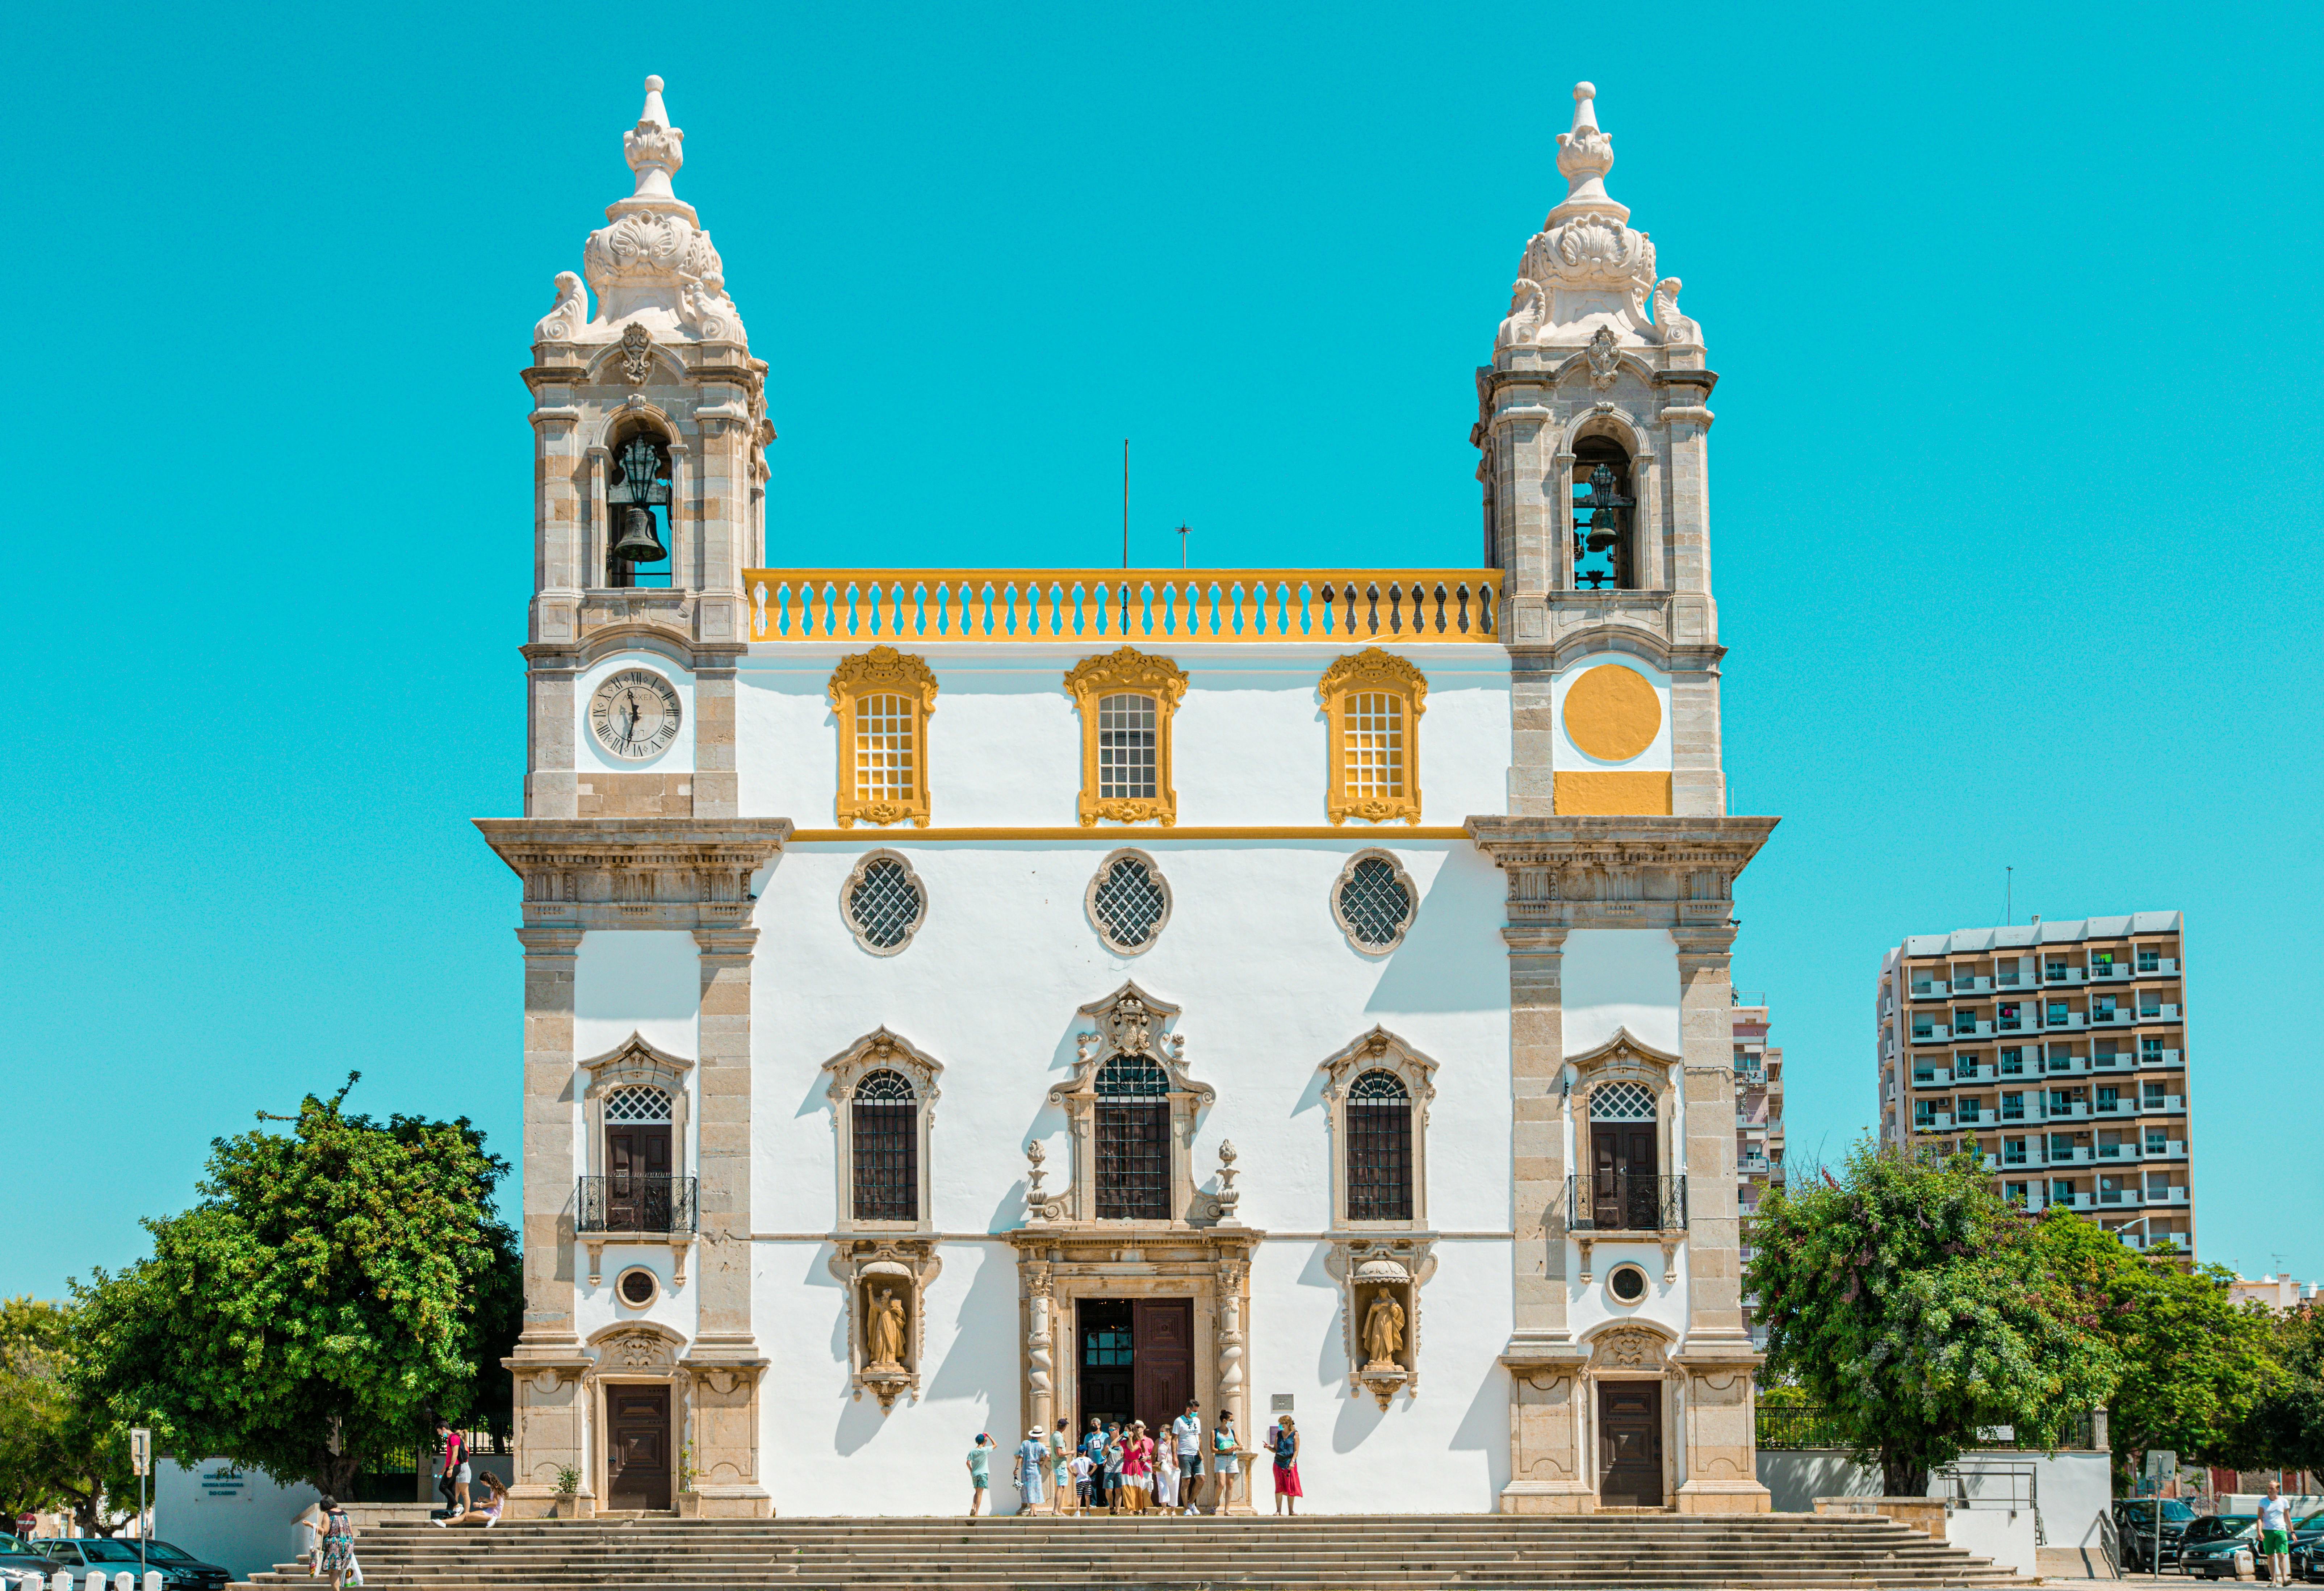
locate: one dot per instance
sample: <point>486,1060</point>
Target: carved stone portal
<point>887,1282</point>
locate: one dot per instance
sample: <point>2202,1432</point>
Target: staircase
<point>1341,1552</point>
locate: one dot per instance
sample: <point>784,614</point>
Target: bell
<point>639,543</point>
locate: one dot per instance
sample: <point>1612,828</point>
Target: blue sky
<point>2014,475</point>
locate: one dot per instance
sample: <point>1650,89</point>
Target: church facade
<point>964,1000</point>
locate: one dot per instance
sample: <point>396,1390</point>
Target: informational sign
<point>1279,1403</point>
<point>2161,1465</point>
<point>141,1449</point>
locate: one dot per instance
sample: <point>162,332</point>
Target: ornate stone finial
<point>1584,156</point>
<point>1036,1202</point>
<point>1227,1197</point>
<point>652,262</point>
<point>1586,271</point>
<point>655,152</point>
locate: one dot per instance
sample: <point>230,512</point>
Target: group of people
<point>1121,1467</point>
<point>331,1539</point>
<point>457,1477</point>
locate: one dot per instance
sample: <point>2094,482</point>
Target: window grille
<point>1375,905</point>
<point>1125,747</point>
<point>638,1102</point>
<point>1372,742</point>
<point>1128,903</point>
<point>1379,1149</point>
<point>884,771</point>
<point>886,1137</point>
<point>1621,1102</point>
<point>1133,1139</point>
<point>885,904</point>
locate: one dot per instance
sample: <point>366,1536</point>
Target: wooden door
<point>637,1447</point>
<point>1105,1364</point>
<point>1631,1444</point>
<point>1623,1175</point>
<point>637,1177</point>
<point>1165,1336</point>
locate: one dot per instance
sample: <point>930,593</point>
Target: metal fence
<point>1617,1201</point>
<point>635,1202</point>
<point>1808,1425</point>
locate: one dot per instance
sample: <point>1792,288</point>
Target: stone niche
<point>886,1281</point>
<point>1380,1281</point>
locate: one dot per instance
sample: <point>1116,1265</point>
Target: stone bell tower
<point>650,433</point>
<point>1592,422</point>
<point>648,476</point>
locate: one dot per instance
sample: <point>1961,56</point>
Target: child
<point>1082,1467</point>
<point>979,1473</point>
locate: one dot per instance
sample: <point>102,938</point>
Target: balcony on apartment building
<point>2161,1058</point>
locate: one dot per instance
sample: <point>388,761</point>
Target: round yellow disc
<point>1612,712</point>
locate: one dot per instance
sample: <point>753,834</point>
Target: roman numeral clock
<point>635,715</point>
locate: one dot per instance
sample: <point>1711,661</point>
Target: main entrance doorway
<point>637,1450</point>
<point>1631,1444</point>
<point>1134,1359</point>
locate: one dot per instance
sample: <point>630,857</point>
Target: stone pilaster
<point>717,792</point>
<point>725,1359</point>
<point>552,784</point>
<point>550,1430</point>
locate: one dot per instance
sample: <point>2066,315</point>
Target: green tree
<point>335,1286</point>
<point>2196,1366</point>
<point>2285,1425</point>
<point>57,1449</point>
<point>1910,1302</point>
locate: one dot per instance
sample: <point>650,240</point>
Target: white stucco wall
<point>238,1519</point>
<point>1615,978</point>
<point>1004,742</point>
<point>991,987</point>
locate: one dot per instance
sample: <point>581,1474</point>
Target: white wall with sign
<point>238,1519</point>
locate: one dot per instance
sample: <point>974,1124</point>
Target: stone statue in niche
<point>1384,1330</point>
<point>884,1331</point>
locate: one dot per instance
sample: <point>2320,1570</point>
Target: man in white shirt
<point>2275,1535</point>
<point>1188,1430</point>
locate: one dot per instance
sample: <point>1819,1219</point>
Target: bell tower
<point>649,432</point>
<point>1592,423</point>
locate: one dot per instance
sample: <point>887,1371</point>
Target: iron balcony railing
<point>635,1202</point>
<point>1620,1201</point>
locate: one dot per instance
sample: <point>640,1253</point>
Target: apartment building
<point>1759,1124</point>
<point>2058,1051</point>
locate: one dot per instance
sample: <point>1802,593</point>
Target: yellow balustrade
<point>1144,606</point>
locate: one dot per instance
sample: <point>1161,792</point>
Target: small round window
<point>1628,1284</point>
<point>883,902</point>
<point>1129,902</point>
<point>1373,900</point>
<point>638,1287</point>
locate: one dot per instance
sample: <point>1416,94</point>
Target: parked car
<point>190,1571</point>
<point>80,1554</point>
<point>2210,1545</point>
<point>2308,1547</point>
<point>2134,1525</point>
<point>24,1571</point>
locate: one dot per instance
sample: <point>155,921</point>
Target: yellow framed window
<point>1126,699</point>
<point>1372,701</point>
<point>882,699</point>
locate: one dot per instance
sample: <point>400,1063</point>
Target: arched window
<point>1133,1139</point>
<point>637,512</point>
<point>885,1133</point>
<point>1379,1149</point>
<point>1373,700</point>
<point>1605,542</point>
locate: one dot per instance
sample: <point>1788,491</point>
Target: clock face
<point>635,715</point>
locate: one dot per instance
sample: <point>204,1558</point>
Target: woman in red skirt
<point>1286,1466</point>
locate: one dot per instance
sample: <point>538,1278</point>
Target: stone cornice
<point>1643,871</point>
<point>599,872</point>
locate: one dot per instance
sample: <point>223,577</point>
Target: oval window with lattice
<point>1621,1102</point>
<point>883,902</point>
<point>1129,902</point>
<point>1372,900</point>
